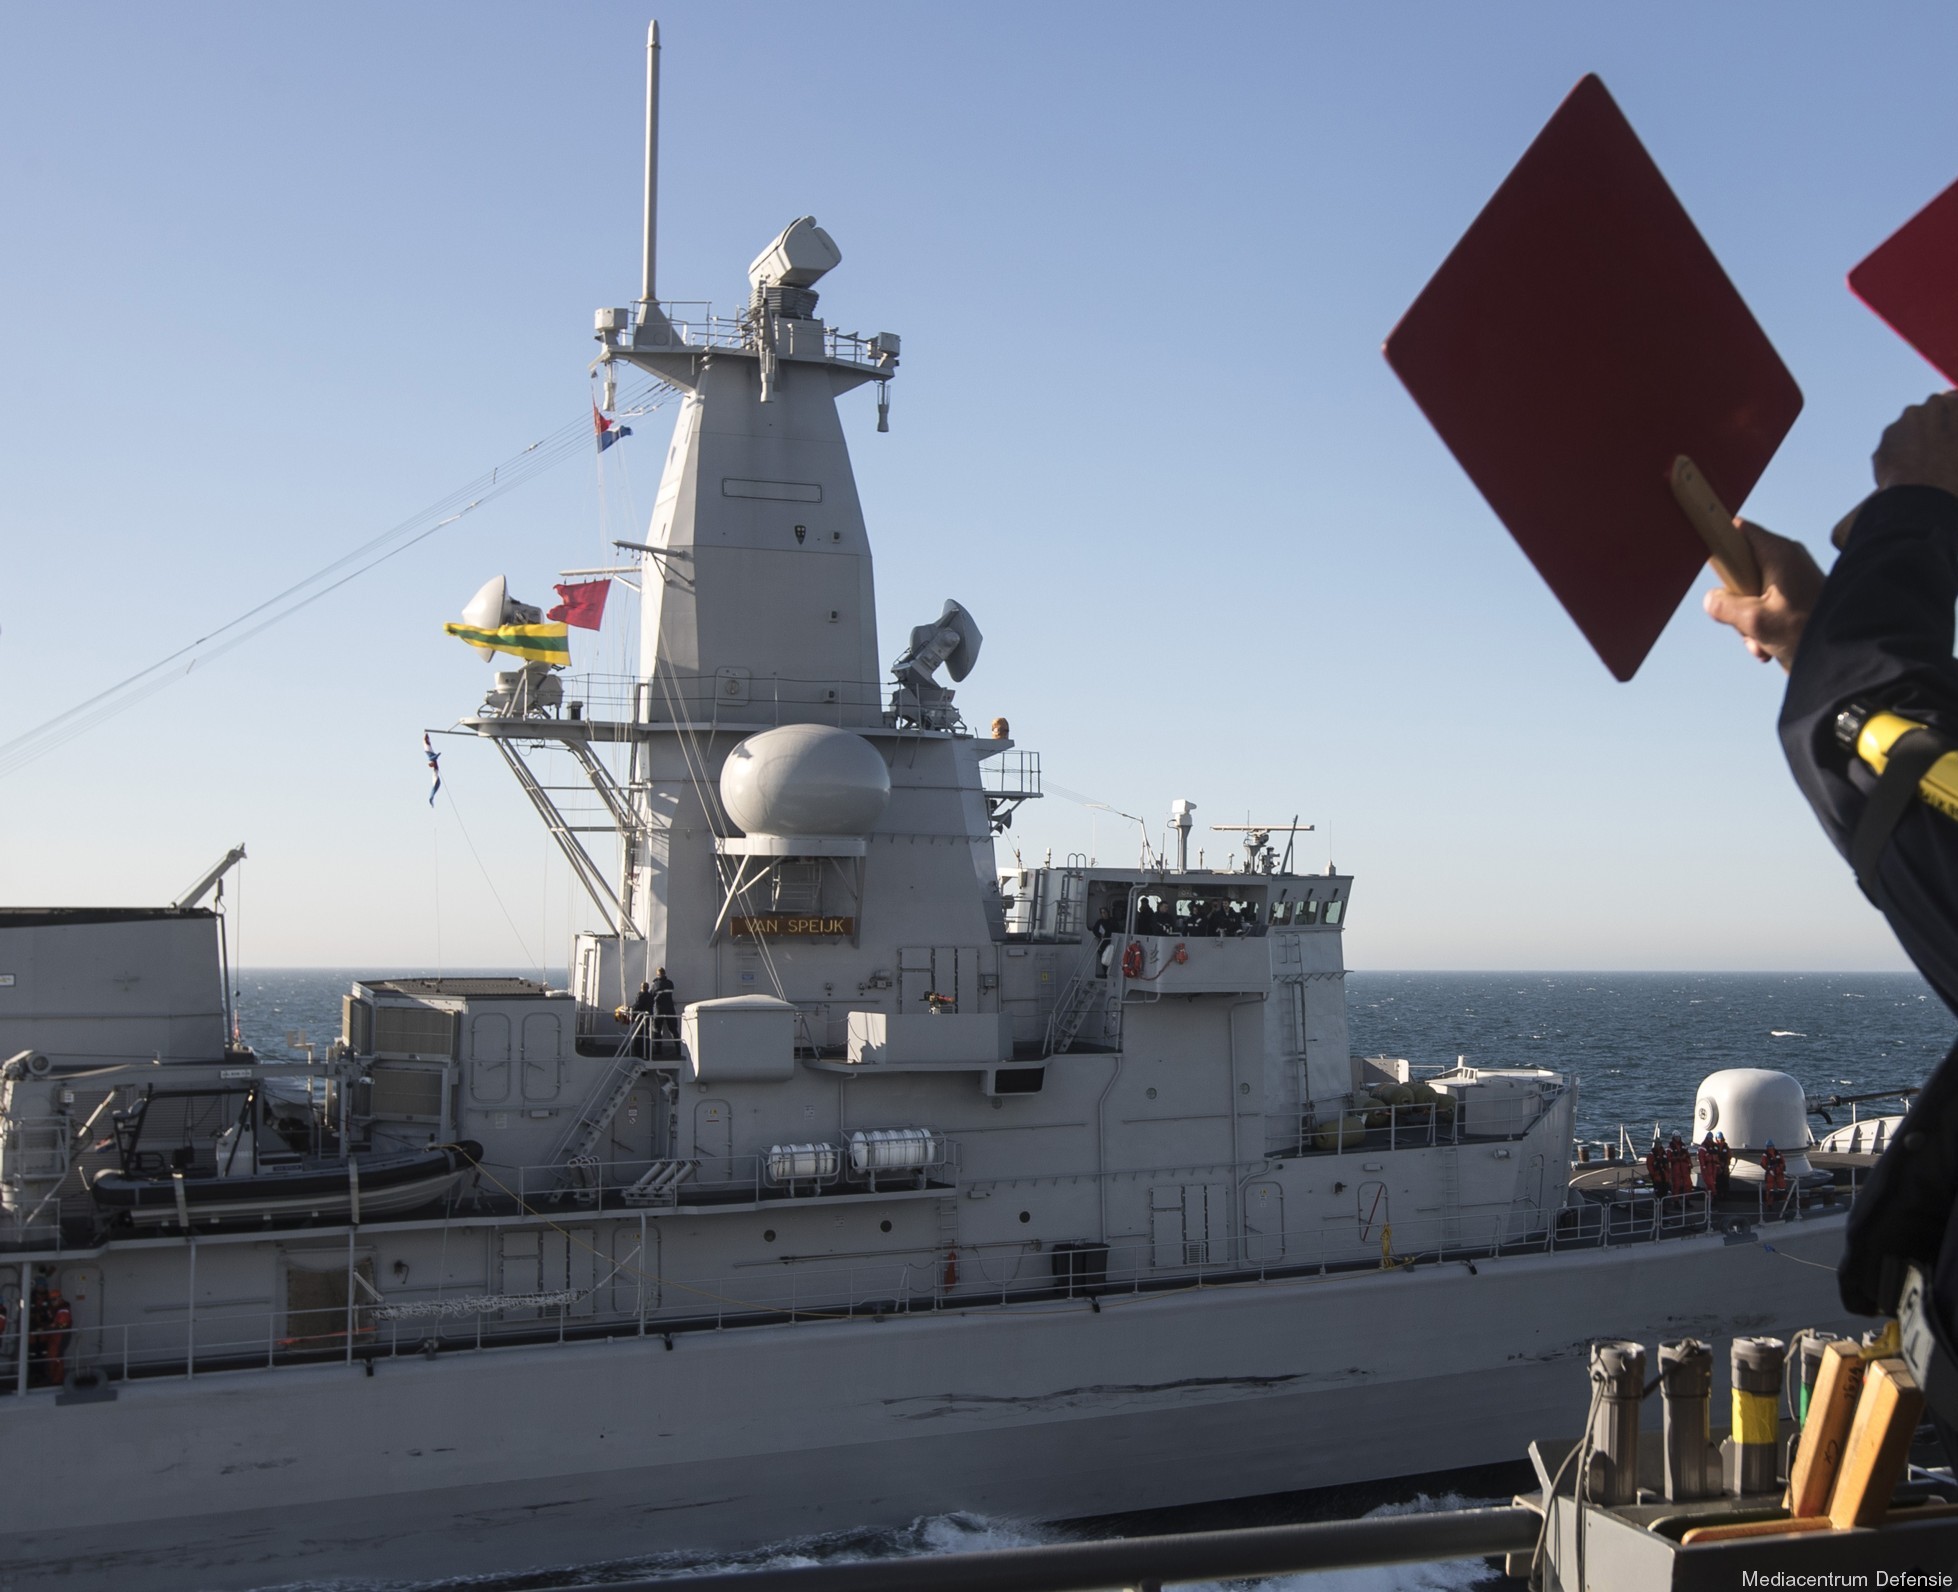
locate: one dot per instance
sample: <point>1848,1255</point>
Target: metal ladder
<point>38,1159</point>
<point>660,1185</point>
<point>1070,1012</point>
<point>1451,1187</point>
<point>575,1152</point>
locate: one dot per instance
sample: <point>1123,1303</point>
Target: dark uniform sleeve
<point>1882,635</point>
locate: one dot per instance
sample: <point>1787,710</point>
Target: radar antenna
<point>1259,854</point>
<point>952,639</point>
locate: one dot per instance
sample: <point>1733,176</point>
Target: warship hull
<point>522,1458</point>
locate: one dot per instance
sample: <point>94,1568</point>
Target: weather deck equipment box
<point>740,1039</point>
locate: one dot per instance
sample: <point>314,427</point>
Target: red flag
<point>583,605</point>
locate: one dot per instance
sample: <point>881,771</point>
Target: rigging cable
<point>530,956</point>
<point>535,460</point>
<point>435,874</point>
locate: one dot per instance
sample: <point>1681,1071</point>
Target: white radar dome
<point>805,779</point>
<point>1754,1106</point>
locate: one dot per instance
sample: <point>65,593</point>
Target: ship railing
<point>1623,1156</point>
<point>694,324</point>
<point>627,1296</point>
<point>1407,1127</point>
<point>36,1154</point>
<point>1013,774</point>
<point>1779,1207</point>
<point>726,697</point>
<point>725,1179</point>
<point>625,1293</point>
<point>1324,1130</point>
<point>733,697</point>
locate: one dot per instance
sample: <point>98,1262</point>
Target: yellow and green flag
<point>532,643</point>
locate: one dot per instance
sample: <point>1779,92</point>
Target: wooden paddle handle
<point>1727,550</point>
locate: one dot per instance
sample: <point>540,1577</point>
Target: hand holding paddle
<point>1770,583</point>
<point>1789,582</point>
<point>1726,548</point>
<point>1919,448</point>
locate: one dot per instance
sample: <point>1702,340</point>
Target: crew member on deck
<point>1723,1165</point>
<point>1681,1165</point>
<point>60,1327</point>
<point>34,1325</point>
<point>1876,635</point>
<point>642,1011</point>
<point>1774,1171</point>
<point>1656,1169</point>
<point>666,1023</point>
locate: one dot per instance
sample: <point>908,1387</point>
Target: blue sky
<point>279,277</point>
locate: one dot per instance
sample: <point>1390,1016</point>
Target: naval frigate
<point>1037,1191</point>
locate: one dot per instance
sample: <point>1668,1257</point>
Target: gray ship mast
<point>757,613</point>
<point>758,566</point>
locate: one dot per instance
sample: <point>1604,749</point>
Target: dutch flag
<point>609,431</point>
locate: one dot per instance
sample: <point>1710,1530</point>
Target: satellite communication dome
<point>805,779</point>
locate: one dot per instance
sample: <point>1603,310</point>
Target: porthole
<point>1150,1093</point>
<point>883,1227</point>
<point>768,1235</point>
<point>1026,1216</point>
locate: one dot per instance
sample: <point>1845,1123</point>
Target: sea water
<point>963,1533</point>
<point>1638,1045</point>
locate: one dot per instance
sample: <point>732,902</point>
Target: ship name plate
<point>789,926</point>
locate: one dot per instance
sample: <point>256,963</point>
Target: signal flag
<point>583,604</point>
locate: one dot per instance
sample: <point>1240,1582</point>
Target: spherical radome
<point>805,779</point>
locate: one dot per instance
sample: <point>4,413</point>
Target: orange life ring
<point>1180,955</point>
<point>1132,959</point>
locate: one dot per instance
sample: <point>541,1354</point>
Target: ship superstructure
<point>1034,1190</point>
